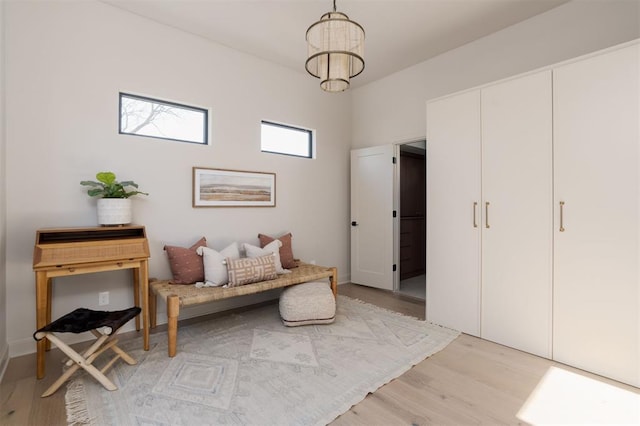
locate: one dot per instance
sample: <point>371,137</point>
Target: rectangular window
<point>162,119</point>
<point>288,140</point>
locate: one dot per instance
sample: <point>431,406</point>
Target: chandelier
<point>335,50</point>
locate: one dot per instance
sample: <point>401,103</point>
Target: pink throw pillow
<point>286,250</point>
<point>186,266</point>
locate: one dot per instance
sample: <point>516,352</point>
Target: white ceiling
<point>399,33</point>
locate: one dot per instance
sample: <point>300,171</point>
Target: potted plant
<point>114,205</point>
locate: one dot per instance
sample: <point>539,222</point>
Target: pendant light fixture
<point>335,50</point>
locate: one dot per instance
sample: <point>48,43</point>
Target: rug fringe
<point>76,404</point>
<point>399,314</point>
<point>389,311</point>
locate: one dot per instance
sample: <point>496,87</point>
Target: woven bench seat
<point>177,295</point>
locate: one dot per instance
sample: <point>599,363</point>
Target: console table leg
<point>144,283</point>
<point>153,309</point>
<point>136,293</point>
<point>42,310</point>
<point>47,345</point>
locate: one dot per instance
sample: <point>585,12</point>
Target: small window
<point>161,119</point>
<point>283,139</point>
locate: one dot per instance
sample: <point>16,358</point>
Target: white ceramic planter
<point>114,211</point>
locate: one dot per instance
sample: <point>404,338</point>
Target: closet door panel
<point>597,257</point>
<point>517,197</point>
<point>453,185</point>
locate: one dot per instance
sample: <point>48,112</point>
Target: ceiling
<point>399,33</point>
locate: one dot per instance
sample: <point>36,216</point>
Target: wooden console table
<point>63,252</point>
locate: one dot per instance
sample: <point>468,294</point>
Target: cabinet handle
<point>475,222</point>
<point>561,216</point>
<point>486,215</point>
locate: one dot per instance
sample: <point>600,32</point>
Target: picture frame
<point>233,188</point>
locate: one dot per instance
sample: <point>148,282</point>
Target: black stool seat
<point>83,319</point>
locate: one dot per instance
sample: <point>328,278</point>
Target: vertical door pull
<point>475,222</point>
<point>561,216</point>
<point>486,215</point>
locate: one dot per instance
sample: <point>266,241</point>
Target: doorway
<point>412,242</point>
<point>388,218</point>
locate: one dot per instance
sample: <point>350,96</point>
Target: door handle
<point>486,215</point>
<point>354,223</point>
<point>475,207</point>
<point>561,216</point>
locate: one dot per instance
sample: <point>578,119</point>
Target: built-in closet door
<point>517,203</point>
<point>453,212</point>
<point>597,233</point>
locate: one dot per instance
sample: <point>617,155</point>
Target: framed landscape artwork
<point>233,188</point>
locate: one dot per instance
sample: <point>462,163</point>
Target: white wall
<point>66,62</point>
<point>393,109</point>
<point>4,348</point>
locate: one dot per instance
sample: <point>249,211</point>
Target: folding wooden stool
<point>82,320</point>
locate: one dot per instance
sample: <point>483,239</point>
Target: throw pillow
<point>251,270</point>
<point>286,251</point>
<point>215,269</point>
<point>186,265</point>
<point>272,248</point>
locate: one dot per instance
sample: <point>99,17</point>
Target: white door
<point>453,212</point>
<point>372,174</point>
<point>517,202</point>
<point>597,250</point>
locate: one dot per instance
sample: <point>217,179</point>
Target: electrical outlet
<point>103,298</point>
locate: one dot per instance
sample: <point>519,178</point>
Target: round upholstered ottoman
<point>307,303</point>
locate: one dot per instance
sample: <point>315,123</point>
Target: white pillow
<point>215,268</point>
<point>272,248</point>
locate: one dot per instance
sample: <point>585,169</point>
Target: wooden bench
<point>177,295</point>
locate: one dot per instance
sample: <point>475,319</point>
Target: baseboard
<point>4,361</point>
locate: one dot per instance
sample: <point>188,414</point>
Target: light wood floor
<point>471,381</point>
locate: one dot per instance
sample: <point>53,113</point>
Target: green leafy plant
<point>108,187</point>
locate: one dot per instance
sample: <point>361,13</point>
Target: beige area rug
<point>249,369</point>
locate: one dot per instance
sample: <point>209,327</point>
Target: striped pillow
<point>251,270</point>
